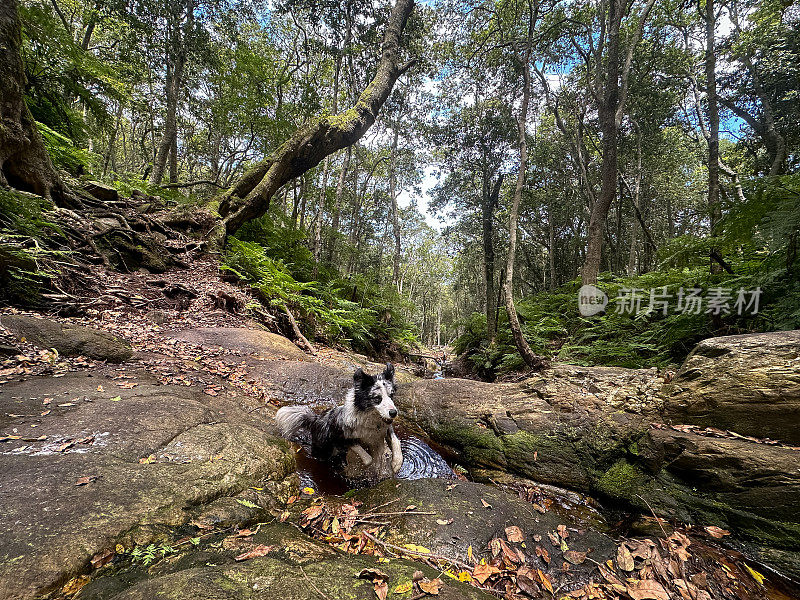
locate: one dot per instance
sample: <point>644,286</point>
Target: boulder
<point>243,340</point>
<point>108,466</point>
<point>466,514</point>
<point>68,339</point>
<point>749,384</point>
<point>101,191</point>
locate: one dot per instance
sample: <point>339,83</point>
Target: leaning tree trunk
<point>490,200</point>
<point>24,162</point>
<point>249,197</point>
<point>713,128</point>
<point>395,211</point>
<point>531,359</point>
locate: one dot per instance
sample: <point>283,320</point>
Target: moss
<point>623,481</point>
<point>476,446</point>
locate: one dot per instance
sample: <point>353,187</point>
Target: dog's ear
<point>388,372</point>
<point>358,376</point>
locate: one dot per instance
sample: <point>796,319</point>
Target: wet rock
<point>295,568</point>
<point>749,384</point>
<point>471,514</point>
<point>69,340</point>
<point>108,465</point>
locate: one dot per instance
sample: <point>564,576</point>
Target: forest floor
<point>161,473</point>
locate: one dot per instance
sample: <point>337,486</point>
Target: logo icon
<point>591,300</point>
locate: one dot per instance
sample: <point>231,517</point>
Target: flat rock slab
<point>749,384</point>
<point>296,568</point>
<point>69,340</point>
<point>118,466</point>
<point>243,340</point>
<point>470,514</point>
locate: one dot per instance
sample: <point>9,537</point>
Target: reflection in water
<point>419,461</point>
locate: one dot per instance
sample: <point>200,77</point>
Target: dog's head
<point>375,392</point>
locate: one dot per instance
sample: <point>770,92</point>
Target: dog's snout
<point>393,413</point>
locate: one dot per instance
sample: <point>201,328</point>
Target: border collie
<point>363,424</point>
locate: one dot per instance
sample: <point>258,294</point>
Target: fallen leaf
<point>100,388</point>
<point>545,581</point>
<point>372,574</point>
<point>443,522</point>
<point>483,572</point>
<point>260,550</point>
<point>381,588</point>
<point>554,539</point>
<point>417,549</point>
<point>514,534</point>
<point>543,553</point>
<point>116,398</point>
<point>102,558</point>
<point>495,547</point>
<point>575,557</point>
<point>485,503</point>
<point>85,479</point>
<point>717,532</point>
<point>526,581</point>
<point>624,558</point>
<point>431,587</point>
<point>563,532</point>
<point>127,385</point>
<point>755,574</point>
<point>308,491</point>
<point>539,508</point>
<point>147,460</point>
<point>647,589</point>
<point>404,588</point>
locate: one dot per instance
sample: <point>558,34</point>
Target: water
<point>419,461</point>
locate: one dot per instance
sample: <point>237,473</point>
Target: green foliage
<point>367,316</point>
<point>151,553</point>
<point>26,265</point>
<point>65,154</point>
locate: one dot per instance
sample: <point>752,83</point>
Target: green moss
<point>623,481</point>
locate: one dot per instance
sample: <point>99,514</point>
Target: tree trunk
<point>395,211</point>
<point>169,138</point>
<point>531,359</point>
<point>249,197</point>
<point>337,205</point>
<point>24,161</point>
<point>713,127</point>
<point>488,206</point>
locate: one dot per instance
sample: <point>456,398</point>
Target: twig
<point>311,583</point>
<point>654,516</point>
<point>389,514</point>
<point>415,552</point>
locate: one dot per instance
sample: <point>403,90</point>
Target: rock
<point>295,568</point>
<point>471,514</point>
<point>8,349</point>
<point>101,191</point>
<point>151,459</point>
<point>157,316</point>
<point>588,429</point>
<point>69,340</point>
<point>243,340</point>
<point>749,384</point>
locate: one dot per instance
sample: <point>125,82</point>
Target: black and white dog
<point>363,424</point>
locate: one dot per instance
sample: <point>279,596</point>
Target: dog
<point>363,424</point>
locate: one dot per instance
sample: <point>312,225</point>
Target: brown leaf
<point>431,587</point>
<point>102,558</point>
<point>495,546</point>
<point>485,503</point>
<point>85,479</point>
<point>717,532</point>
<point>545,581</point>
<point>575,557</point>
<point>543,553</point>
<point>260,550</point>
<point>647,589</point>
<point>612,579</point>
<point>508,554</point>
<point>562,531</point>
<point>381,588</point>
<point>482,572</point>
<point>526,581</point>
<point>514,534</point>
<point>554,539</point>
<point>313,511</point>
<point>372,574</point>
<point>539,508</point>
<point>624,558</point>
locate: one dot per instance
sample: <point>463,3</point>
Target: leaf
<point>647,589</point>
<point>404,588</point>
<point>575,557</point>
<point>85,480</point>
<point>102,558</point>
<point>260,550</point>
<point>431,587</point>
<point>514,534</point>
<point>563,532</point>
<point>381,588</point>
<point>716,532</point>
<point>443,522</point>
<point>417,549</point>
<point>545,581</point>
<point>526,581</point>
<point>483,572</point>
<point>495,546</point>
<point>755,574</point>
<point>312,512</point>
<point>624,558</point>
<point>247,503</point>
<point>308,491</point>
<point>116,398</point>
<point>485,503</point>
<point>543,553</point>
<point>372,574</point>
<point>147,460</point>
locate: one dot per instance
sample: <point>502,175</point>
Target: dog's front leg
<point>397,451</point>
<point>362,454</point>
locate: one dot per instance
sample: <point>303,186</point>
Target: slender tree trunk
<point>337,204</point>
<point>249,197</point>
<point>713,126</point>
<point>489,205</point>
<point>395,211</point>
<point>531,359</point>
<point>169,137</point>
<point>112,139</point>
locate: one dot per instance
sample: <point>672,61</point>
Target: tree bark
<point>337,205</point>
<point>488,206</point>
<point>531,359</point>
<point>395,211</point>
<point>249,198</point>
<point>610,110</point>
<point>24,161</point>
<point>173,89</point>
<point>713,126</point>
